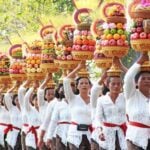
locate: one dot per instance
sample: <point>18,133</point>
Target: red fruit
<point>139,29</point>
<point>143,35</point>
<point>69,57</point>
<point>148,35</point>
<point>69,49</point>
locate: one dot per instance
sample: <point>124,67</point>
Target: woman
<point>45,124</point>
<point>32,111</point>
<point>21,93</point>
<point>44,95</point>
<point>4,121</point>
<point>60,122</point>
<point>98,89</point>
<point>137,93</point>
<point>13,137</point>
<point>80,128</point>
<point>111,116</point>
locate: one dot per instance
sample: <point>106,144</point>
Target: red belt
<point>122,126</point>
<point>63,122</point>
<point>25,125</point>
<point>89,126</point>
<point>137,124</point>
<point>9,127</point>
<point>32,129</point>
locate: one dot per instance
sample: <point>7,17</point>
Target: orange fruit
<point>109,36</point>
<point>119,25</point>
<point>38,61</point>
<point>32,61</point>
<point>123,37</point>
<point>116,36</point>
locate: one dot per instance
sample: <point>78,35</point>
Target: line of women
<point>109,115</point>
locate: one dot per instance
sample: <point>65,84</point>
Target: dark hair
<point>13,99</point>
<point>32,98</point>
<point>109,78</point>
<point>77,82</point>
<point>105,90</point>
<point>46,89</point>
<point>137,76</point>
<point>57,95</point>
<point>2,99</point>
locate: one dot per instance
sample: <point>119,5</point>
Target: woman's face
<point>115,85</point>
<point>83,85</point>
<point>144,82</point>
<point>35,102</point>
<point>16,101</point>
<point>50,94</point>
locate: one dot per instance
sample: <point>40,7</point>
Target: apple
<point>139,29</point>
<point>113,31</point>
<point>148,35</point>
<point>84,47</point>
<point>63,58</point>
<point>120,31</point>
<point>104,42</point>
<point>78,47</point>
<point>69,57</point>
<point>106,31</point>
<point>91,48</point>
<point>84,32</point>
<point>89,37</point>
<point>112,42</point>
<point>143,35</point>
<point>120,42</point>
<point>89,33</point>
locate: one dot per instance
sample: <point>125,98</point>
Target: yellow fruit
<point>116,36</point>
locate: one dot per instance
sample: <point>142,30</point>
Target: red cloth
<point>137,124</point>
<point>122,126</point>
<point>9,127</point>
<point>89,126</point>
<point>32,129</point>
<point>63,122</point>
<point>25,125</point>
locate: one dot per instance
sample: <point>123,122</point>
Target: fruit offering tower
<point>17,67</point>
<point>48,54</point>
<point>139,11</point>
<point>33,61</point>
<point>140,30</point>
<point>4,68</point>
<point>100,59</point>
<point>83,43</point>
<point>114,39</point>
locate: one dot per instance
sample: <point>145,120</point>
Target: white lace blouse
<point>80,114</point>
<point>61,114</point>
<point>138,109</point>
<point>33,117</point>
<point>15,120</point>
<point>42,103</point>
<point>96,91</point>
<point>21,94</point>
<point>110,112</point>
